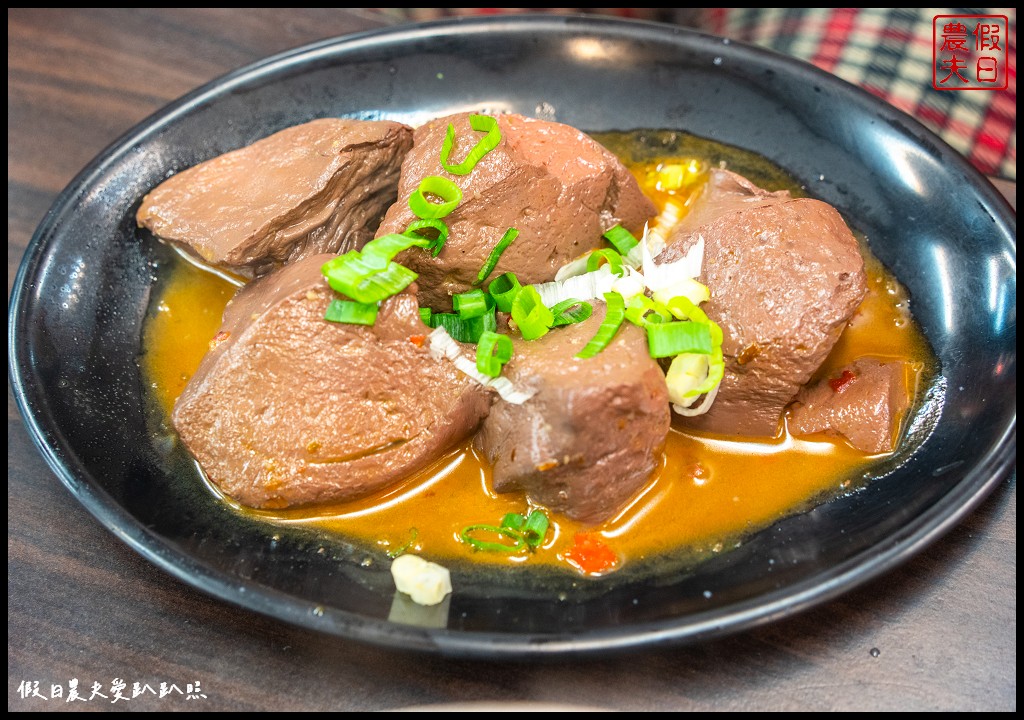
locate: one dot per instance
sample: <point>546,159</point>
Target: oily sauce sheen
<point>707,493</point>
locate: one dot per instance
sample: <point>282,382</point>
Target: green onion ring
<point>496,251</point>
<point>612,258</point>
<point>408,544</point>
<point>570,312</point>
<point>472,303</point>
<point>513,520</point>
<point>621,239</point>
<point>716,364</point>
<point>614,315</point>
<point>353,313</point>
<point>425,314</point>
<point>530,315</point>
<point>535,529</point>
<point>383,249</point>
<point>644,311</point>
<point>445,189</point>
<point>492,353</point>
<point>463,330</point>
<point>480,123</point>
<point>504,289</point>
<point>685,309</point>
<point>437,243</point>
<point>511,534</point>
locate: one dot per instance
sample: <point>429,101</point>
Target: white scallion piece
<point>704,406</point>
<point>688,288</point>
<point>658,276</point>
<point>581,287</point>
<point>574,267</point>
<point>629,285</point>
<point>425,582</point>
<point>442,345</point>
<point>687,373</point>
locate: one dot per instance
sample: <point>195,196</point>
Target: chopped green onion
<point>496,251</point>
<point>692,375</point>
<point>364,282</point>
<point>570,312</point>
<point>504,289</point>
<point>369,275</point>
<point>425,314</point>
<point>621,238</point>
<point>408,544</point>
<point>675,338</point>
<point>614,315</point>
<point>443,188</point>
<point>685,374</point>
<point>515,521</point>
<point>685,309</point>
<point>442,233</point>
<point>530,315</point>
<point>383,249</point>
<point>524,532</point>
<point>535,529</point>
<point>716,364</point>
<point>353,313</point>
<point>464,330</point>
<point>645,312</point>
<point>689,288</point>
<point>480,123</point>
<point>492,353</point>
<point>467,537</point>
<point>471,304</point>
<point>609,256</point>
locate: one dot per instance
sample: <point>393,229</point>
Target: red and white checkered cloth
<point>888,52</point>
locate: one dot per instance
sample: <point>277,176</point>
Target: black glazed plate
<point>83,289</point>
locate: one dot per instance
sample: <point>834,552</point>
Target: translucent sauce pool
<point>707,493</point>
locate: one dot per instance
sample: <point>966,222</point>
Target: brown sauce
<point>707,493</point>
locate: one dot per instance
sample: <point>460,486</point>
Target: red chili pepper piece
<point>840,383</point>
<point>591,555</point>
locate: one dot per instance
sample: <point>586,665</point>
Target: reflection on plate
<point>928,216</point>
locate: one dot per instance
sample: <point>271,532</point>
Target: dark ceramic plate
<point>83,289</point>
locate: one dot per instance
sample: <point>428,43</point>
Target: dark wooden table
<point>939,633</point>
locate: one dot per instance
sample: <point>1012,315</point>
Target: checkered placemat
<point>889,52</point>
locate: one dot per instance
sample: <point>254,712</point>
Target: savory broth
<point>707,492</point>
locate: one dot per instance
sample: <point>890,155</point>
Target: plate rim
<point>820,587</point>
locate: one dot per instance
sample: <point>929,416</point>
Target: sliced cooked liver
<point>322,186</point>
<point>785,275</point>
<point>558,187</point>
<point>863,402</point>
<point>289,409</point>
<point>592,434</point>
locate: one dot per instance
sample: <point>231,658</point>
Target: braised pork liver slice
<point>288,409</point>
<point>592,434</point>
<point>863,402</point>
<point>558,187</point>
<point>322,186</point>
<point>785,275</point>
